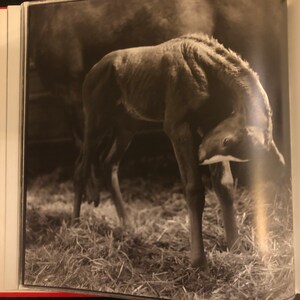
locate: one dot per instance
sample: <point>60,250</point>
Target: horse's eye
<point>226,141</point>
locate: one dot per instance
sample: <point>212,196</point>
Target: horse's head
<point>232,140</point>
<point>227,141</point>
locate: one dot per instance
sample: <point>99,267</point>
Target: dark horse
<point>202,94</point>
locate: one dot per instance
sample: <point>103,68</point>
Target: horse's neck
<point>231,71</point>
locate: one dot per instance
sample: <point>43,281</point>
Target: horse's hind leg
<point>96,180</point>
<point>71,96</point>
<point>223,185</point>
<point>88,158</point>
<point>100,95</point>
<point>111,165</point>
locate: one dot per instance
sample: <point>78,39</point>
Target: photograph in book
<point>157,149</point>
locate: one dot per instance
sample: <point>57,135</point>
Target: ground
<point>151,257</point>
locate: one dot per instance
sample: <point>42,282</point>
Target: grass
<point>151,258</point>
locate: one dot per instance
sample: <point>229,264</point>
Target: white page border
<point>13,150</point>
<point>3,90</point>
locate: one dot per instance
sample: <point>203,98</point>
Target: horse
<point>66,39</point>
<point>209,102</point>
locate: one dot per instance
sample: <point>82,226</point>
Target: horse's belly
<point>145,107</point>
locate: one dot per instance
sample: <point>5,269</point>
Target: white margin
<point>13,150</point>
<point>3,85</point>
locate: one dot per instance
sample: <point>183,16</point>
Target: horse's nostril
<point>226,142</point>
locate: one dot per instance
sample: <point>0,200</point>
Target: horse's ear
<point>256,135</point>
<point>277,154</point>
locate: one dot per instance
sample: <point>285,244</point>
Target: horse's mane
<point>235,71</point>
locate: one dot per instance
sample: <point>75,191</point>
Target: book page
<point>13,151</point>
<point>3,79</point>
<point>157,149</point>
<point>294,82</point>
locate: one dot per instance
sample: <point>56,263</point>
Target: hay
<point>152,257</point>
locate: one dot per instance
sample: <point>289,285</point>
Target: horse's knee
<point>223,184</point>
<point>195,196</point>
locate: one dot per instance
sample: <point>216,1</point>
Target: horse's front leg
<point>185,149</point>
<point>223,185</point>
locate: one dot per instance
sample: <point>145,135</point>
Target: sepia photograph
<point>157,149</point>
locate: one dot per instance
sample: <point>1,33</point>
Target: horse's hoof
<point>92,196</point>
<point>200,263</point>
<point>75,221</point>
<point>126,223</point>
